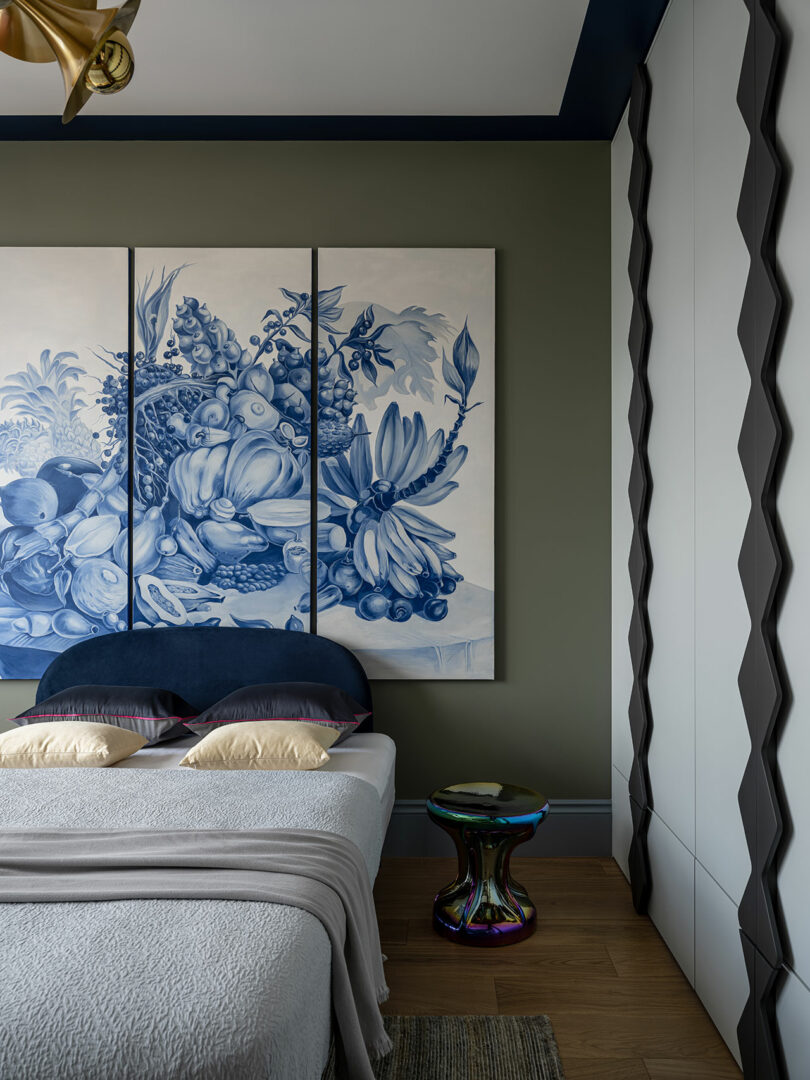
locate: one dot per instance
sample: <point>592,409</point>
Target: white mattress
<point>371,756</point>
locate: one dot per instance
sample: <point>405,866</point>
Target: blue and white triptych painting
<point>406,460</point>
<point>222,437</point>
<point>240,433</point>
<point>64,506</point>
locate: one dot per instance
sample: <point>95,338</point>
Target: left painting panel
<point>221,437</point>
<point>64,317</point>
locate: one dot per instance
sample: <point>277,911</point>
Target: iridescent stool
<point>485,905</point>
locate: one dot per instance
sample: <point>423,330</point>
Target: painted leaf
<point>299,333</point>
<point>369,370</point>
<point>466,359</point>
<point>152,310</point>
<point>295,297</point>
<point>451,376</point>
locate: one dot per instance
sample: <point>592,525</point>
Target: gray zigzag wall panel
<point>640,563</point>
<point>760,556</point>
<point>699,505</point>
<point>793,1000</point>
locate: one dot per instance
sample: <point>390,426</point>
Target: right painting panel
<point>406,380</point>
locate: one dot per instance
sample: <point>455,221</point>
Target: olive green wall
<point>545,207</point>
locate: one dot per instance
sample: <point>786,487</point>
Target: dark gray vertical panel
<point>640,563</point>
<point>760,561</point>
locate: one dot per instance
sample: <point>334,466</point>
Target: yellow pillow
<point>263,744</point>
<point>64,743</point>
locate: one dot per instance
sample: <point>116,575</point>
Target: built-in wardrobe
<point>711,513</point>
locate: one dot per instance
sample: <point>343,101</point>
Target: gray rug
<point>468,1048</point>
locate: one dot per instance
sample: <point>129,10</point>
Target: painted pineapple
<point>48,407</point>
<point>22,446</point>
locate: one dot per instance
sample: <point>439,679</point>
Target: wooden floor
<point>620,1007</point>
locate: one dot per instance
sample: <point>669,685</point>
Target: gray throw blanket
<point>322,873</point>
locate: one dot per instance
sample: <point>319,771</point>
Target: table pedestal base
<point>485,905</point>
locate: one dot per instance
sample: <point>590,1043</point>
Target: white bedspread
<point>370,756</point>
<point>172,989</point>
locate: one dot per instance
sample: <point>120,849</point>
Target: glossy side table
<point>485,905</point>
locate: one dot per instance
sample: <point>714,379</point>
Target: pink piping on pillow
<point>119,716</point>
<point>306,719</point>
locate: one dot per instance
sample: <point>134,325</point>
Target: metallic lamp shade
<point>89,45</point>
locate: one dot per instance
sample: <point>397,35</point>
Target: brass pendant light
<point>90,46</point>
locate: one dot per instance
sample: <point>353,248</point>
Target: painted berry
<point>373,606</point>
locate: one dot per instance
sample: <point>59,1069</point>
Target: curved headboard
<point>205,663</point>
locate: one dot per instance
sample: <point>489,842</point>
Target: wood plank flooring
<point>620,1006</point>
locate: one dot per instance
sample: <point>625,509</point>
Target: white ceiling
<point>330,57</point>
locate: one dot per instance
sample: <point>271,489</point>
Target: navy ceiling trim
<point>616,36</point>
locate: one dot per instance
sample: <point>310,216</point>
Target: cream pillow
<point>65,743</point>
<point>263,744</point>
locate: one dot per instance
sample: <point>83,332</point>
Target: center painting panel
<point>221,437</point>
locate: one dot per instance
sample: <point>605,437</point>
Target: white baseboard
<point>573,827</point>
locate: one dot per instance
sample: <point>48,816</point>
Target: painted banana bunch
<point>398,563</point>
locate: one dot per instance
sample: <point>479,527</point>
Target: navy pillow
<point>156,714</point>
<point>312,703</point>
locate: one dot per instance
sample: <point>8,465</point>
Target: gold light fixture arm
<point>20,38</point>
<point>89,45</point>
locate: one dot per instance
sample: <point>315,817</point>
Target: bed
<point>184,989</point>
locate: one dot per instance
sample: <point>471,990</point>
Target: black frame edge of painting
<point>313,446</point>
<point>130,438</point>
<point>760,561</point>
<point>640,488</point>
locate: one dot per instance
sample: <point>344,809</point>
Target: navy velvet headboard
<point>205,663</point>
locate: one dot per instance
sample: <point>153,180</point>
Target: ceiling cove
<point>584,94</point>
